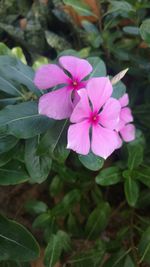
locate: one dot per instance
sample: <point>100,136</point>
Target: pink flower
<point>97,111</point>
<point>59,104</point>
<point>125,128</point>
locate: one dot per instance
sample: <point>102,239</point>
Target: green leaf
<point>42,221</point>
<point>131,30</point>
<point>131,188</point>
<point>145,30</point>
<point>109,176</point>
<point>99,68</point>
<point>54,141</point>
<point>8,86</point>
<point>7,142</point>
<point>67,203</point>
<point>135,158</point>
<point>117,259</point>
<point>35,206</point>
<point>143,175</point>
<point>56,186</point>
<point>129,262</point>
<point>120,7</point>
<point>57,244</point>
<point>37,166</point>
<point>16,242</point>
<point>144,246</point>
<point>91,161</point>
<point>97,220</point>
<point>23,121</point>
<point>89,257</point>
<point>119,90</point>
<point>13,173</point>
<point>80,7</point>
<point>18,72</point>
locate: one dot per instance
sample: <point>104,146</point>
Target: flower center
<point>94,118</point>
<point>74,83</point>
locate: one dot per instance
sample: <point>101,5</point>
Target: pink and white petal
<point>49,75</point>
<point>104,141</point>
<point>126,115</point>
<point>120,125</point>
<point>99,90</point>
<point>78,68</point>
<point>124,100</point>
<point>128,132</point>
<point>109,117</point>
<point>82,110</point>
<point>56,104</point>
<point>78,137</point>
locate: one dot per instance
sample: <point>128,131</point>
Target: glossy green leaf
<point>16,243</point>
<point>23,121</point>
<point>18,72</point>
<point>109,176</point>
<point>91,161</point>
<point>37,166</point>
<point>145,30</point>
<point>144,246</point>
<point>135,155</point>
<point>82,8</point>
<point>119,90</point>
<point>143,175</point>
<point>54,141</point>
<point>131,30</point>
<point>7,142</point>
<point>35,206</point>
<point>99,68</point>
<point>131,188</point>
<point>57,244</point>
<point>97,220</point>
<point>13,173</point>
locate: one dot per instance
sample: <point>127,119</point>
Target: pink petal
<point>48,76</point>
<point>99,90</point>
<point>78,68</point>
<point>126,115</point>
<point>82,110</point>
<point>124,100</point>
<point>128,133</point>
<point>119,141</point>
<point>56,104</point>
<point>109,117</point>
<point>104,141</point>
<point>78,137</point>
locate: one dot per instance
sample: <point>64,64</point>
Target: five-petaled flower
<point>59,104</point>
<point>97,111</point>
<point>125,129</point>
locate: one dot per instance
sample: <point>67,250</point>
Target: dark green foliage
<point>89,212</point>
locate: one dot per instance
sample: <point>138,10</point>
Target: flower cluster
<point>99,122</point>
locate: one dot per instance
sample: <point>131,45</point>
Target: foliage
<point>90,212</point>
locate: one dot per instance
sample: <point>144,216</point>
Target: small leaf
<point>145,30</point>
<point>80,7</point>
<point>144,246</point>
<point>119,90</point>
<point>109,176</point>
<point>135,155</point>
<point>97,220</point>
<point>99,68</point>
<point>16,242</point>
<point>35,207</point>
<point>7,142</point>
<point>13,173</point>
<point>131,188</point>
<point>57,244</point>
<point>37,166</point>
<point>119,76</point>
<point>91,161</point>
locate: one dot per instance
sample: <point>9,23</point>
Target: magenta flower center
<point>94,118</point>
